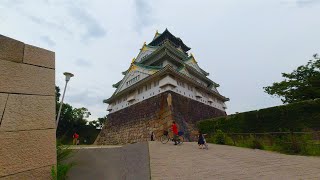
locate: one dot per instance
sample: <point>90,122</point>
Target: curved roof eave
<point>168,69</point>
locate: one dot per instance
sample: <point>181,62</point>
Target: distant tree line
<point>75,120</point>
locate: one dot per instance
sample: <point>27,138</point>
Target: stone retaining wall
<point>136,123</point>
<point>27,111</point>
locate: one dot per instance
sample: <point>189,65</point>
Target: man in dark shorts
<point>174,128</point>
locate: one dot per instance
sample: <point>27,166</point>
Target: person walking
<point>75,138</point>
<point>201,140</point>
<point>174,128</point>
<point>152,136</point>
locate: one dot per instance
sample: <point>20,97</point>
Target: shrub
<point>256,144</point>
<point>283,144</point>
<point>245,141</point>
<point>62,171</point>
<point>220,137</point>
<point>295,117</point>
<point>63,167</point>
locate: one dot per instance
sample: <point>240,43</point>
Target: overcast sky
<point>244,45</point>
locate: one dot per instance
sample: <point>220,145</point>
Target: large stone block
<point>26,79</point>
<point>26,150</point>
<point>25,112</point>
<point>3,100</point>
<point>10,49</point>
<point>38,56</point>
<point>43,173</point>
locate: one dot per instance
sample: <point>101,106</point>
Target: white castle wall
<point>153,88</point>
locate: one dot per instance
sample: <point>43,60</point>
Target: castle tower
<point>162,84</point>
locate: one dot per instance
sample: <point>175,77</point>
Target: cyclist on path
<point>175,132</point>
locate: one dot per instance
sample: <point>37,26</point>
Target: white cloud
<point>92,28</point>
<point>48,40</point>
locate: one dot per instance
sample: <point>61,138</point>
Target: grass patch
<point>63,167</point>
<point>299,144</point>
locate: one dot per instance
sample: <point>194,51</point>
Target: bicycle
<point>165,137</point>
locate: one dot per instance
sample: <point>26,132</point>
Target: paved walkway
<point>227,162</point>
<point>186,161</point>
<point>111,162</point>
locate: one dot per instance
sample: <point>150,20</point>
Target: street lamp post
<point>68,76</point>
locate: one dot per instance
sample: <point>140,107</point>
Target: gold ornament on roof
<point>144,47</point>
<point>194,60</point>
<point>156,34</point>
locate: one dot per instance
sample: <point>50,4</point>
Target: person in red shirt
<point>75,138</point>
<point>174,128</point>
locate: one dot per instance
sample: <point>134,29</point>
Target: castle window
<point>133,80</point>
<point>180,83</point>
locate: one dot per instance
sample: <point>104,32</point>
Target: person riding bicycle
<point>174,128</point>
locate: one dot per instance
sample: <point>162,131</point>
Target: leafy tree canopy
<point>75,120</point>
<point>99,122</point>
<point>301,84</point>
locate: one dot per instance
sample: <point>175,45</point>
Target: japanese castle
<point>164,65</point>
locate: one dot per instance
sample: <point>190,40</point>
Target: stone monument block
<point>38,56</point>
<point>26,79</point>
<point>27,111</point>
<point>10,49</point>
<point>26,150</point>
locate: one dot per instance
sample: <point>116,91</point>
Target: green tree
<point>301,84</point>
<point>57,94</point>
<point>102,121</point>
<point>99,123</point>
<point>73,120</point>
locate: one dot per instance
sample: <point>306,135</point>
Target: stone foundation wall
<point>136,123</point>
<point>27,111</point>
<point>188,112</point>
